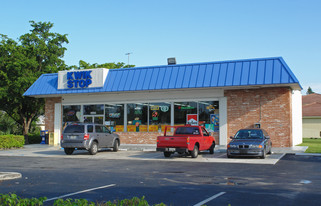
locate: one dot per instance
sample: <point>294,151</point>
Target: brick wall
<point>145,137</point>
<point>50,112</point>
<point>269,106</point>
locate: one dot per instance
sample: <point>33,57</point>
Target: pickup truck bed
<point>186,140</point>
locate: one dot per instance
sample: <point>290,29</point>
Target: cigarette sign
<point>192,119</point>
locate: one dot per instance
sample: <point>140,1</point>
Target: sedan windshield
<point>249,134</point>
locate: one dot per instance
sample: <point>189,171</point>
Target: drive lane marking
<point>83,191</point>
<point>209,199</point>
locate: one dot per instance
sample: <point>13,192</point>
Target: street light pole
<point>128,56</point>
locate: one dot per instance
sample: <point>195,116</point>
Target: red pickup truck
<point>185,140</point>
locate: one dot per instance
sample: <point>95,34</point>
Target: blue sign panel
<point>79,79</point>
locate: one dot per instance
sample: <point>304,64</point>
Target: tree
<point>21,64</point>
<point>309,91</point>
<point>86,65</point>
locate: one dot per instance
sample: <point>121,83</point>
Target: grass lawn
<point>314,145</point>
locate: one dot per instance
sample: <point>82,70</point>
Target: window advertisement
<point>209,115</point>
<point>96,109</point>
<point>181,111</point>
<point>137,117</point>
<point>71,113</point>
<point>159,116</point>
<point>114,117</point>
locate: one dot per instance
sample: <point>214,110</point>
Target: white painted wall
<point>296,117</point>
<point>57,123</point>
<point>223,120</point>
<point>145,96</point>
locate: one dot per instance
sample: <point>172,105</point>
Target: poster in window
<point>192,119</point>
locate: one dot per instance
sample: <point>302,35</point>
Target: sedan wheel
<point>263,155</point>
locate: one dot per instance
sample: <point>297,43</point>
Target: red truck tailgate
<point>172,141</point>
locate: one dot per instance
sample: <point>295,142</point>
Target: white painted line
<point>75,193</point>
<point>209,199</point>
<point>222,155</point>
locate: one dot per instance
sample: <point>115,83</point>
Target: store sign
<point>79,79</point>
<point>82,79</point>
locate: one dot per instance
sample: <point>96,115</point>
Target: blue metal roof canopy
<point>222,74</point>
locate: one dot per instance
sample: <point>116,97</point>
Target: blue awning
<point>222,74</point>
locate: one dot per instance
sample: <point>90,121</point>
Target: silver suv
<point>89,137</point>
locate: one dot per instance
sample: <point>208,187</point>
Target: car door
<point>207,140</point>
<point>108,137</point>
<point>99,135</point>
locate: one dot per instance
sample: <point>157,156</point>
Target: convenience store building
<point>139,102</point>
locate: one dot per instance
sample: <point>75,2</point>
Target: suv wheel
<point>69,151</point>
<point>116,145</point>
<point>93,148</point>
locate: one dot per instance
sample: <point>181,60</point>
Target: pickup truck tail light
<point>187,140</point>
<point>157,140</point>
<point>86,137</point>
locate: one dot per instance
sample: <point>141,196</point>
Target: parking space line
<point>83,191</point>
<point>209,199</point>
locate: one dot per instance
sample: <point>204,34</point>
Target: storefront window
<point>137,117</point>
<point>209,115</point>
<point>95,109</point>
<point>71,113</point>
<point>185,113</point>
<point>114,117</point>
<point>159,116</point>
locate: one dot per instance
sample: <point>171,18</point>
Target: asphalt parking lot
<point>293,180</point>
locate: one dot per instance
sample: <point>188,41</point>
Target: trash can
<point>44,134</point>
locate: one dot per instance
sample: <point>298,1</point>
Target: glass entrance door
<point>97,119</point>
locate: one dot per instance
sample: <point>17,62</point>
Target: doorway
<point>97,119</point>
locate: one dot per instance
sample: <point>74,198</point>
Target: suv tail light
<point>86,136</point>
<point>62,137</point>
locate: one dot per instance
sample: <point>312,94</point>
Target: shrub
<point>34,138</point>
<point>11,141</point>
<point>13,199</point>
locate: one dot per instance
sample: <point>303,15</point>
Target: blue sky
<point>101,31</point>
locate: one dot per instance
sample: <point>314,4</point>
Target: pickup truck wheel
<point>93,148</point>
<point>194,152</point>
<point>212,148</point>
<point>69,151</point>
<point>167,154</point>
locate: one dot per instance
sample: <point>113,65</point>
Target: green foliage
<point>13,200</point>
<point>21,64</point>
<point>8,125</point>
<point>86,65</point>
<point>314,145</point>
<point>34,138</point>
<point>11,141</point>
<point>310,91</point>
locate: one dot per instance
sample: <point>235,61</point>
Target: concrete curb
<point>308,154</point>
<point>9,175</point>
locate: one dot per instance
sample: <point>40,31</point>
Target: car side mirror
<point>267,137</point>
<point>231,137</point>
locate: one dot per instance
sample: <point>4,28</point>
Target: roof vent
<point>171,61</point>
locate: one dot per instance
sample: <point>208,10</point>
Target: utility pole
<point>128,56</point>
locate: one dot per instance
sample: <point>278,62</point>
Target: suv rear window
<point>75,129</point>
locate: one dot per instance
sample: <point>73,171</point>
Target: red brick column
<point>269,106</point>
<point>50,112</point>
